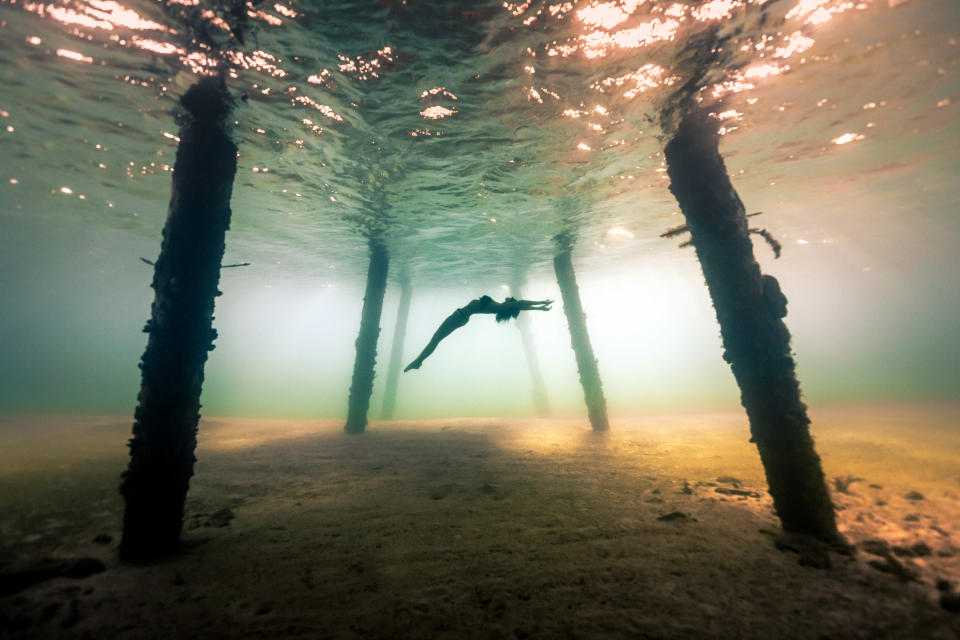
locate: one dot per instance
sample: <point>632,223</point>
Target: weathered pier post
<point>579,338</point>
<point>540,401</point>
<point>361,386</point>
<point>181,331</point>
<point>750,309</point>
<point>396,350</point>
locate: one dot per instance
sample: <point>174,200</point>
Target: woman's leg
<point>454,321</point>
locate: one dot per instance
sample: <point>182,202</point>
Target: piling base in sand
<point>483,528</point>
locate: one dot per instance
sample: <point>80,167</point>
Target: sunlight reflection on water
<point>541,115</point>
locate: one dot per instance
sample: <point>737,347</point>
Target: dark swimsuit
<point>463,317</point>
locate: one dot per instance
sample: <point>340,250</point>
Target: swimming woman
<point>509,308</point>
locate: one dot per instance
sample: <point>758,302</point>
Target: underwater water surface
<point>473,134</point>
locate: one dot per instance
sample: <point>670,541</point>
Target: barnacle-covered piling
<point>361,386</point>
<point>181,331</point>
<point>750,309</point>
<point>579,338</point>
<point>396,350</point>
<point>540,400</point>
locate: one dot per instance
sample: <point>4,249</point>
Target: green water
<point>847,142</point>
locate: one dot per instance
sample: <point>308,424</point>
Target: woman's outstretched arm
<point>535,305</point>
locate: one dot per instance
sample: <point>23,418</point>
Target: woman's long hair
<point>509,309</point>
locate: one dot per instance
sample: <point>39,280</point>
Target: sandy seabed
<point>467,528</point>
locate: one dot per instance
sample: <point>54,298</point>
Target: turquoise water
<point>473,136</point>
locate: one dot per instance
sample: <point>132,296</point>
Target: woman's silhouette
<point>509,308</point>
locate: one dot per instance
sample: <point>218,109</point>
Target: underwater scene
<point>449,319</point>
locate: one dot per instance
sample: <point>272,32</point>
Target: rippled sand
<point>487,528</point>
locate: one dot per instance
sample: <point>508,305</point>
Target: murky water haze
<point>475,136</point>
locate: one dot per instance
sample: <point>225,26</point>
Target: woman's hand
<point>535,305</point>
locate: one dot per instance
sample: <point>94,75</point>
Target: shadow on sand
<point>451,529</point>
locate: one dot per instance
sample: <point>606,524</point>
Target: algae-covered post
<point>396,350</point>
<point>361,385</point>
<point>540,400</point>
<point>579,338</point>
<point>750,308</point>
<point>181,331</point>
